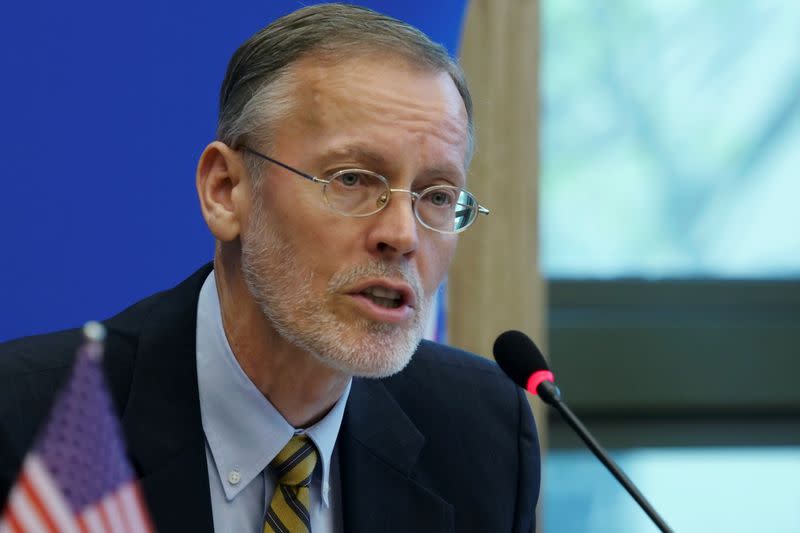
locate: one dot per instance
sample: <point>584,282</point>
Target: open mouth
<point>384,297</point>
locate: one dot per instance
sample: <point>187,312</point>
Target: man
<point>335,191</point>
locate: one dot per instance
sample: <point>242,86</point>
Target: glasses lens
<point>447,208</point>
<point>356,193</point>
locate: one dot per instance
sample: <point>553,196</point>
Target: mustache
<point>343,279</point>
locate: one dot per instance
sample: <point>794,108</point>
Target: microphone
<point>522,361</point>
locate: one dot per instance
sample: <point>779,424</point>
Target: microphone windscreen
<point>518,356</point>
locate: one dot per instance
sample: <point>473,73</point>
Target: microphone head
<point>518,356</point>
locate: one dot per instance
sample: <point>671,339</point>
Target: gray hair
<point>257,87</point>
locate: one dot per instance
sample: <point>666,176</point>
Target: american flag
<point>76,478</point>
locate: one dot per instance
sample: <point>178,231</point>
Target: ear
<point>223,189</point>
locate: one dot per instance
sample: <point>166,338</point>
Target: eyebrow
<point>375,159</point>
<point>355,152</point>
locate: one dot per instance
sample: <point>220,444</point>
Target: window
<point>671,139</point>
<point>697,490</point>
<point>670,148</point>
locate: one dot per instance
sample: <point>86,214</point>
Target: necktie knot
<point>295,463</point>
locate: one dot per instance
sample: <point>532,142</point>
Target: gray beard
<point>282,289</point>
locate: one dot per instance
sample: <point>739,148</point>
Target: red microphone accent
<point>536,379</point>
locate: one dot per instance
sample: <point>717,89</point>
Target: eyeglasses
<point>359,193</point>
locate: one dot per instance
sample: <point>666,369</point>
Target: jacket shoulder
<point>479,432</point>
<point>448,382</point>
<point>454,366</point>
<point>50,352</point>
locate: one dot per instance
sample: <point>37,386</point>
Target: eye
<point>441,197</point>
<point>350,179</point>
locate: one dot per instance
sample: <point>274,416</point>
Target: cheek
<point>327,243</point>
<point>435,259</point>
<point>304,218</point>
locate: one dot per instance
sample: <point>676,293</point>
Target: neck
<point>296,383</point>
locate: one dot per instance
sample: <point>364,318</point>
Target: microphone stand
<point>551,395</point>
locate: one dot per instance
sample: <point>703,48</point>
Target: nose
<point>394,232</point>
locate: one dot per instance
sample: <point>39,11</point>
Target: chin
<point>370,350</point>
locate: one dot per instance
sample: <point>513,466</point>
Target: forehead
<point>378,101</point>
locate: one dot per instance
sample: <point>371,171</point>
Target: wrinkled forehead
<point>378,89</point>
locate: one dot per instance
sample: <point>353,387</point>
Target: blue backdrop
<point>107,107</point>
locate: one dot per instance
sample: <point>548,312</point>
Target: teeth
<point>383,302</point>
<point>383,292</point>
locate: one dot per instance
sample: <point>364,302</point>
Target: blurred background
<point>642,164</point>
<point>670,237</point>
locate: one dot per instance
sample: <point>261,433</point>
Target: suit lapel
<point>378,444</point>
<point>162,416</point>
<point>379,447</point>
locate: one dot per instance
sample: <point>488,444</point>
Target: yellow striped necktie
<point>289,509</point>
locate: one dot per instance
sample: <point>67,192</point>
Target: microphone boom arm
<point>550,394</point>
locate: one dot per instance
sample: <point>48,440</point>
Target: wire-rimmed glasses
<point>357,192</point>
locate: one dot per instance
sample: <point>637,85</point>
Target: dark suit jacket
<point>448,444</point>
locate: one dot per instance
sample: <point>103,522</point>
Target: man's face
<point>331,284</point>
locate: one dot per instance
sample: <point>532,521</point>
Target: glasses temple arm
<point>283,165</point>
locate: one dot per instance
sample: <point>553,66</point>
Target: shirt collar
<point>324,434</point>
<point>243,429</point>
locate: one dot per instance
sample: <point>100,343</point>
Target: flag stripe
<point>91,519</point>
<point>111,507</point>
<point>40,507</point>
<point>59,509</point>
<point>82,524</point>
<point>12,523</point>
<point>124,512</point>
<point>124,520</point>
<point>103,514</point>
<point>142,507</point>
<point>133,509</point>
<point>23,511</point>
